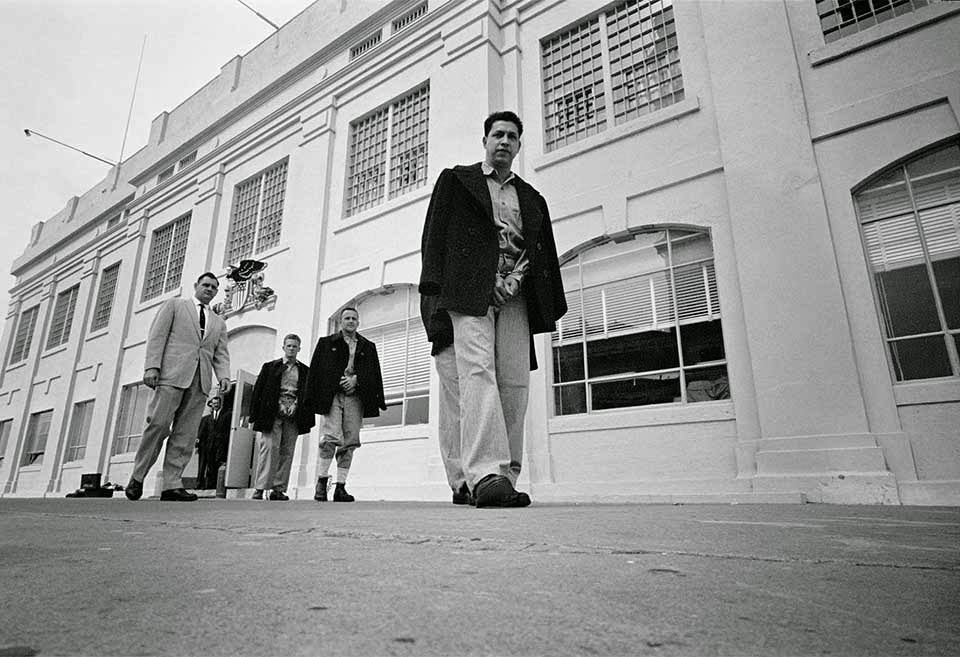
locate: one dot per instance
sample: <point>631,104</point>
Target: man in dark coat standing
<point>278,410</point>
<point>213,432</point>
<point>490,281</point>
<point>345,385</point>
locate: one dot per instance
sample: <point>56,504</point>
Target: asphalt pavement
<point>237,577</point>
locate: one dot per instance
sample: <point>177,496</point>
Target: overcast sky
<point>67,70</point>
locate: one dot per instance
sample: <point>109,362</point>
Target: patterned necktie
<point>203,321</point>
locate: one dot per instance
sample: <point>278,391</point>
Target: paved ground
<point>236,577</point>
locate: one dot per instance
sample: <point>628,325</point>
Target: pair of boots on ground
<point>340,493</point>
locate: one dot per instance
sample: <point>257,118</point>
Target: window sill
<point>99,333</point>
<point>272,252</point>
<point>936,391</point>
<point>649,416</point>
<point>156,301</point>
<point>385,208</point>
<point>126,457</point>
<point>54,350</point>
<point>29,469</point>
<point>684,107</point>
<point>395,433</point>
<point>73,465</point>
<point>882,32</point>
<point>21,364</point>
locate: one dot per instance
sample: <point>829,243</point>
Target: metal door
<point>241,453</point>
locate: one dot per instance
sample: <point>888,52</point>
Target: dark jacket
<point>214,437</point>
<point>327,365</point>
<point>460,249</point>
<point>266,397</point>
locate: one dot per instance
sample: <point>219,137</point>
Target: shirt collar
<point>489,171</point>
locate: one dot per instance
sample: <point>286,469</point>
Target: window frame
<point>387,157</point>
<point>79,431</point>
<point>170,280</point>
<point>103,307</point>
<point>602,79</point>
<point>6,428</point>
<point>131,441</point>
<point>62,321</point>
<point>675,323</point>
<point>35,441</point>
<point>23,337</point>
<point>233,252</point>
<point>951,337</point>
<point>858,24</point>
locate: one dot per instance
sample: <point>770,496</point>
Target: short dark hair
<point>505,115</point>
<point>209,274</point>
<point>343,310</point>
<point>292,336</point>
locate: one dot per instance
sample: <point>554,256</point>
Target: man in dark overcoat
<point>344,385</point>
<point>279,411</point>
<point>490,281</point>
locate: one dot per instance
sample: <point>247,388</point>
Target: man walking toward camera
<point>278,409</point>
<point>490,281</point>
<point>345,386</point>
<point>186,343</point>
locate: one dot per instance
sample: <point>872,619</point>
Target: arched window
<point>910,218</point>
<point>390,318</point>
<point>643,325</point>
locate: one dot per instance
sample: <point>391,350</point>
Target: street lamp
<point>31,133</point>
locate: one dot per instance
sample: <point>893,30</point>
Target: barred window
<point>367,44</point>
<point>165,262</point>
<point>391,320</point>
<point>62,317</point>
<point>131,419</point>
<point>79,431</point>
<point>397,133</point>
<point>5,428</point>
<point>643,325</point>
<point>411,16</point>
<point>108,288</point>
<point>25,326</point>
<point>187,160</point>
<point>36,441</point>
<point>840,18</point>
<point>630,49</point>
<point>910,221</point>
<point>257,215</point>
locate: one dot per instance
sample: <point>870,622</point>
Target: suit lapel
<point>529,213</point>
<point>472,179</point>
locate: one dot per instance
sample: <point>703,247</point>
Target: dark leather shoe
<point>134,490</point>
<point>497,491</point>
<point>463,495</point>
<point>257,494</point>
<point>177,495</point>
<point>278,496</point>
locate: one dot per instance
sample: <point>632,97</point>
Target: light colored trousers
<point>341,429</point>
<point>173,415</point>
<point>276,455</point>
<point>484,381</point>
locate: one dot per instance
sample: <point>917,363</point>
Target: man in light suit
<point>185,343</point>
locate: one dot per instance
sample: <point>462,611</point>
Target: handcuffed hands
<point>506,288</point>
<point>348,383</point>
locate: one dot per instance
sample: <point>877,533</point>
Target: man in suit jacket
<point>490,281</point>
<point>208,443</point>
<point>186,343</point>
<point>345,385</point>
<point>278,410</point>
